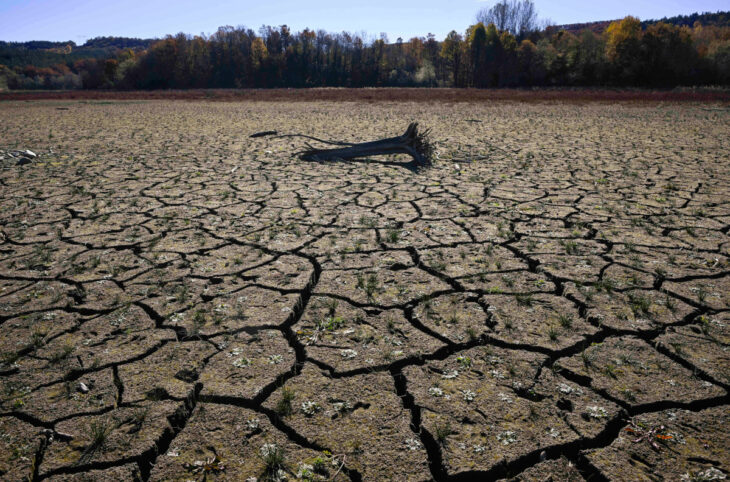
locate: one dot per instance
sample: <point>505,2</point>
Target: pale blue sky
<point>79,20</point>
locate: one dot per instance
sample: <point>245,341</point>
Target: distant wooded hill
<point>717,19</point>
<point>42,53</point>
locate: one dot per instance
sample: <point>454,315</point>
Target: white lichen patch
<point>242,362</point>
<point>507,437</point>
<point>435,392</point>
<point>348,353</point>
<point>597,412</point>
<point>567,389</point>
<point>342,407</point>
<point>310,408</point>
<point>413,444</point>
<point>504,397</point>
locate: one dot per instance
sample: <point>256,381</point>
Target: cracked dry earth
<point>181,302</point>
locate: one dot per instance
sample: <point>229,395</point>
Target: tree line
<point>505,48</point>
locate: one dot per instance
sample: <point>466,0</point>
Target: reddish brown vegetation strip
<point>385,95</point>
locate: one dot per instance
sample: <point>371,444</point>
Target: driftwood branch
<point>282,136</point>
<point>334,143</point>
<point>264,134</point>
<point>411,142</point>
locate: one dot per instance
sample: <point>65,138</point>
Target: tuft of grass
<point>508,324</point>
<point>678,347</point>
<point>612,371</point>
<point>331,323</point>
<point>524,299</point>
<point>640,304</point>
<point>390,325</point>
<point>319,465</point>
<point>588,359</point>
<point>98,432</point>
<point>331,305</point>
<point>705,326</point>
<point>628,394</point>
<point>283,407</point>
<point>553,333</point>
<point>571,247</point>
<point>438,265</point>
<point>198,322</point>
<point>392,235</point>
<point>9,357</point>
<point>701,294</point>
<point>38,338</point>
<point>368,222</point>
<point>371,285</point>
<point>62,354</point>
<point>566,321</point>
<point>464,361</point>
<point>442,430</point>
<point>273,457</point>
<point>606,284</point>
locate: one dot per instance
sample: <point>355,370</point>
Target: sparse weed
<point>442,430</point>
<point>566,321</point>
<point>62,354</point>
<point>588,359</point>
<point>273,457</point>
<point>392,235</point>
<point>640,304</point>
<point>524,299</point>
<point>284,406</point>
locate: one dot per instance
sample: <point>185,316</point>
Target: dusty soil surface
<point>179,301</point>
